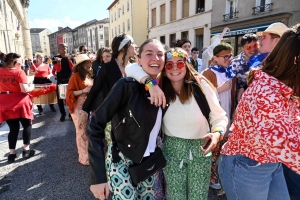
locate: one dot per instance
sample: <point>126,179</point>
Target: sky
<point>51,14</point>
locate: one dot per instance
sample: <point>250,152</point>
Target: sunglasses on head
<point>255,46</point>
<point>171,65</point>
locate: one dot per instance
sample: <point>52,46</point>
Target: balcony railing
<point>230,16</point>
<point>262,9</point>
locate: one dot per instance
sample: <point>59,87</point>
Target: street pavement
<point>54,172</point>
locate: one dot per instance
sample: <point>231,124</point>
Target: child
<point>223,78</point>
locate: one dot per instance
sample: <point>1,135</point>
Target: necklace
<point>122,68</point>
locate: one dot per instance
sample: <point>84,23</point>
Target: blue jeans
<point>245,179</point>
<point>293,182</point>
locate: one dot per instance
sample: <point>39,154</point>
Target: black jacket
<point>132,118</point>
<point>108,76</point>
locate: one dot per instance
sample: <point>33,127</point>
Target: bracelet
<point>149,79</point>
<point>151,84</point>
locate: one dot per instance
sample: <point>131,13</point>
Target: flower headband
<point>125,41</point>
<point>176,54</point>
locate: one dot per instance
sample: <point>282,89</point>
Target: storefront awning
<point>245,30</point>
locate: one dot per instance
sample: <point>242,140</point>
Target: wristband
<point>149,79</point>
<point>151,84</point>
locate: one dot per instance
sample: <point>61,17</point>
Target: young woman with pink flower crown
<point>193,123</point>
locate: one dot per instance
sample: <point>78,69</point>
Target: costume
<point>75,105</point>
<point>125,106</point>
<point>227,103</point>
<point>41,77</point>
<point>15,106</point>
<point>185,160</point>
<point>240,68</point>
<point>62,71</point>
<point>265,131</point>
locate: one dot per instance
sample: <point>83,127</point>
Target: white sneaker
<point>216,186</point>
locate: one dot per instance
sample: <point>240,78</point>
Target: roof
<point>36,30</point>
<point>113,3</point>
<point>105,20</point>
<point>64,30</point>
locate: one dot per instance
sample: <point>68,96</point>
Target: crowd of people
<point>179,124</point>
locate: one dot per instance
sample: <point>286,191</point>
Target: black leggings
<point>14,127</point>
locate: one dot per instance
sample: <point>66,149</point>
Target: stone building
<point>57,38</point>
<point>129,17</point>
<point>170,20</point>
<point>40,40</point>
<point>251,16</point>
<point>97,34</point>
<point>14,27</point>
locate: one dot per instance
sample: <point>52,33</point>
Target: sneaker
<point>11,158</point>
<point>52,108</point>
<point>28,153</point>
<point>216,186</point>
<point>62,118</point>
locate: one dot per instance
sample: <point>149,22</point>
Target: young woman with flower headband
<point>265,131</point>
<point>123,48</point>
<point>192,108</point>
<point>135,124</point>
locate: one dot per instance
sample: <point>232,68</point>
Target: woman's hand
<point>87,89</point>
<point>100,191</point>
<point>224,87</point>
<point>82,119</point>
<point>213,138</point>
<point>157,96</point>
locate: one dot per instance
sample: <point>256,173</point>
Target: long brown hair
<point>9,59</point>
<point>83,73</point>
<point>186,90</point>
<point>283,62</point>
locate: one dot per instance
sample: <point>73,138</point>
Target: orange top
<point>43,70</point>
<point>75,83</point>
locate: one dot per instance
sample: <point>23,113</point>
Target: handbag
<point>147,167</point>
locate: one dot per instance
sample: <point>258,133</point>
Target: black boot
<point>40,108</point>
<point>52,108</point>
<point>11,158</point>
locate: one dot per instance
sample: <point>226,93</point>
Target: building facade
<point>57,38</point>
<point>68,40</point>
<point>251,16</point>
<point>97,35</point>
<point>129,17</point>
<point>14,27</point>
<point>40,41</point>
<point>177,19</point>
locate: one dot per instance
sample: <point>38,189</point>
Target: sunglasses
<point>226,57</point>
<point>85,50</point>
<point>255,46</point>
<point>171,65</point>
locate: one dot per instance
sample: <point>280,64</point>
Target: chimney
<point>59,28</point>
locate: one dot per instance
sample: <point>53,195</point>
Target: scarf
<point>255,61</point>
<point>228,70</point>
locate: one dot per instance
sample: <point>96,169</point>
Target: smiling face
<point>223,58</point>
<point>152,58</point>
<point>106,57</point>
<point>250,49</point>
<point>187,47</point>
<point>174,70</point>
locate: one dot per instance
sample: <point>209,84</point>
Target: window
<point>172,39</point>
<point>163,14</point>
<point>127,5</point>
<point>116,33</point>
<point>185,8</point>
<point>101,36</point>
<point>185,34</point>
<point>44,43</point>
<point>128,24</point>
<point>112,18</point>
<point>112,33</point>
<point>123,9</point>
<point>153,17</point>
<point>163,39</point>
<point>119,11</point>
<point>115,16</point>
<point>119,29</point>
<point>12,19</point>
<point>200,6</point>
<point>123,27</point>
<point>173,10</point>
<point>230,10</point>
